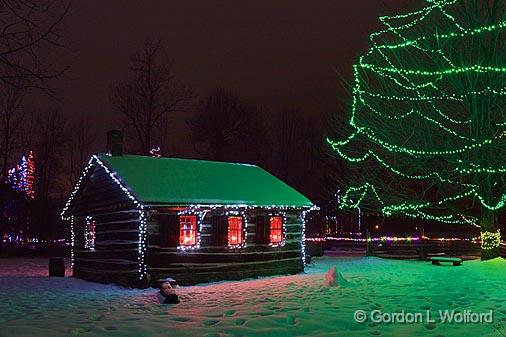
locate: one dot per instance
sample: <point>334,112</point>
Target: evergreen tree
<point>427,124</point>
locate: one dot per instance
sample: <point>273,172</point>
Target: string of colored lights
<point>22,176</point>
<point>391,239</point>
<point>417,84</point>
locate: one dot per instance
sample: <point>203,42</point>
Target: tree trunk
<point>488,224</point>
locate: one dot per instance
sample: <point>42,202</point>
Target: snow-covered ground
<point>32,304</point>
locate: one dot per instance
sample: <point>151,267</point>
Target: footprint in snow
<point>265,313</point>
<point>96,317</point>
<point>79,331</point>
<point>210,322</point>
<point>430,326</point>
<point>291,320</point>
<point>212,335</point>
<point>240,321</point>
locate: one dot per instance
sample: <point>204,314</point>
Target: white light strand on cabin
<point>238,206</point>
<point>72,241</point>
<point>76,188</point>
<point>303,240</point>
<point>142,219</point>
<point>142,242</point>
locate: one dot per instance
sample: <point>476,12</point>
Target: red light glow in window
<point>188,230</point>
<point>235,231</point>
<point>276,232</point>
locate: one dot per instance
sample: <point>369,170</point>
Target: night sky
<point>276,53</point>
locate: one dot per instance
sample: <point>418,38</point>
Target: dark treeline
<point>154,109</point>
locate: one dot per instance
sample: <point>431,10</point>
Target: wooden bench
<point>438,259</point>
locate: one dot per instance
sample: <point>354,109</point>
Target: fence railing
<point>420,248</point>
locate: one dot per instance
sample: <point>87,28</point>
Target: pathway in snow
<point>32,304</point>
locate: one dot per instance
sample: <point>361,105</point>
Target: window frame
<point>241,232</point>
<point>281,229</point>
<point>194,228</point>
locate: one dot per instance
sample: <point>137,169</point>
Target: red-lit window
<point>188,230</point>
<point>235,231</point>
<point>276,229</point>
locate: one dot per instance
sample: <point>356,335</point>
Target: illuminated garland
<point>411,85</point>
<point>22,176</point>
<point>490,240</point>
<point>391,239</point>
<point>29,181</point>
<point>477,168</point>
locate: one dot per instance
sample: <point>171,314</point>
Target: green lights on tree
<point>427,125</point>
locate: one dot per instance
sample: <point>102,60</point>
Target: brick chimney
<point>115,142</point>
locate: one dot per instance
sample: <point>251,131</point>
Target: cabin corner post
<point>72,241</point>
<point>303,237</point>
<point>143,217</point>
<point>143,279</point>
<point>66,208</point>
<point>304,213</point>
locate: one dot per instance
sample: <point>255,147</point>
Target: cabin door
<point>262,229</point>
<point>220,231</point>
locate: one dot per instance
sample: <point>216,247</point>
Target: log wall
<point>115,256</point>
<point>212,263</point>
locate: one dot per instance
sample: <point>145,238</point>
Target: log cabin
<point>136,220</point>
